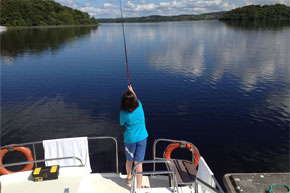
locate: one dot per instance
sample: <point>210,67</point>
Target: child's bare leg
<point>129,169</point>
<point>139,176</point>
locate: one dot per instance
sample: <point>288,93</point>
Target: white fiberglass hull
<point>75,180</point>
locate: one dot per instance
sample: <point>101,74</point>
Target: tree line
<point>246,13</point>
<point>41,13</point>
<point>159,18</point>
<point>48,12</point>
<point>258,13</point>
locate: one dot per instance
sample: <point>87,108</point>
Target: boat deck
<point>76,180</point>
<point>107,182</point>
<point>73,180</point>
<point>23,182</point>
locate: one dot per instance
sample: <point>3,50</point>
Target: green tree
<point>40,12</point>
<point>258,13</point>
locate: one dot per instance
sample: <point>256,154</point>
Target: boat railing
<point>193,157</point>
<point>169,172</point>
<point>33,144</point>
<point>204,186</point>
<point>42,160</point>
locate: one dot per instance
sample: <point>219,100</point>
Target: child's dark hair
<point>129,101</point>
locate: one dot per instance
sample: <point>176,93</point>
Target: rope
<point>270,190</point>
<point>125,46</point>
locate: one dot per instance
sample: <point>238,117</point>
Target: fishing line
<point>125,46</point>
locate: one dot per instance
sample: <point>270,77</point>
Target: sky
<point>137,8</point>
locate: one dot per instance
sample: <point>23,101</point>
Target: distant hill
<point>40,13</point>
<point>257,12</point>
<point>159,18</point>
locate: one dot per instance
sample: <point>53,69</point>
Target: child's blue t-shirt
<point>135,125</point>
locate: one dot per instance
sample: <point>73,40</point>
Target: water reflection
<point>53,117</point>
<point>21,119</point>
<point>210,80</point>
<point>253,57</point>
<point>274,25</point>
<point>180,58</point>
<point>20,41</point>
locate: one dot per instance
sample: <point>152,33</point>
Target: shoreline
<point>49,26</point>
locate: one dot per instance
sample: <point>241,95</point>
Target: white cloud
<point>66,1</point>
<point>131,5</point>
<point>107,5</point>
<point>148,7</point>
<point>142,1</point>
<point>164,4</point>
<point>132,8</point>
<point>93,11</point>
<point>263,2</point>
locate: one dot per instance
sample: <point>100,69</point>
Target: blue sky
<point>133,8</point>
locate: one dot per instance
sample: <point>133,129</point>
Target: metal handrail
<point>116,148</point>
<point>42,160</point>
<point>39,142</point>
<point>182,142</point>
<point>218,185</point>
<point>172,172</point>
<point>171,140</point>
<point>197,180</point>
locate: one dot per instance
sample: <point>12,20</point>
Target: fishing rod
<point>125,46</point>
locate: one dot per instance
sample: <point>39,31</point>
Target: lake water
<point>223,87</point>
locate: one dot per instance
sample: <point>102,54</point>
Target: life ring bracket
<point>10,148</point>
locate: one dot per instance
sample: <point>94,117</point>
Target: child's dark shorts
<point>136,151</point>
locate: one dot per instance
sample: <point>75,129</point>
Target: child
<point>135,135</point>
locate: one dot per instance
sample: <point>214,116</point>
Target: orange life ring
<point>175,145</point>
<point>25,150</point>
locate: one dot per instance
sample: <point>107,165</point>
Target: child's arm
<point>131,89</point>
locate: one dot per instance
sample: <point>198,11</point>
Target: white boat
<point>179,178</point>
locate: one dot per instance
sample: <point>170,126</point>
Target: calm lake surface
<point>223,87</point>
